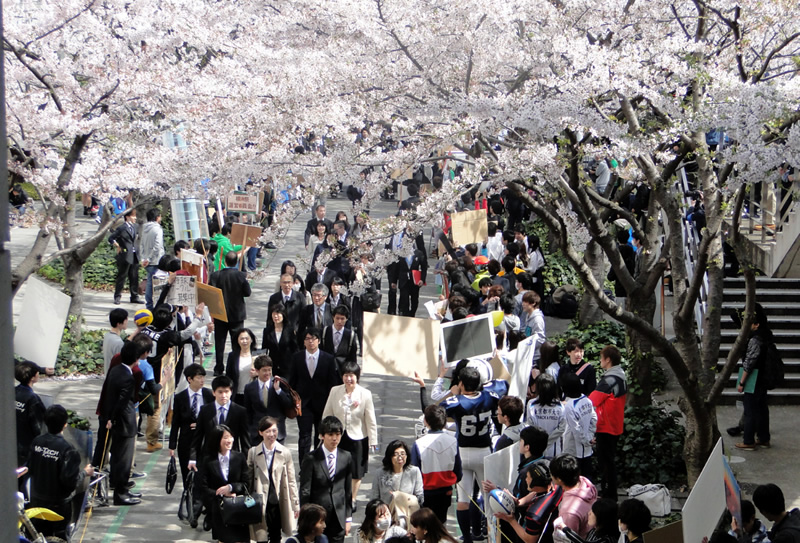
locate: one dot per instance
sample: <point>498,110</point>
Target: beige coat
<point>285,483</point>
<point>359,419</point>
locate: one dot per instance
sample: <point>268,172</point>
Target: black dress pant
<point>129,272</point>
<point>121,461</point>
<point>221,331</point>
<point>307,423</point>
<point>605,451</point>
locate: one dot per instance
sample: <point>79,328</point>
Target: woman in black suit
<point>224,473</point>
<point>239,366</point>
<point>279,341</point>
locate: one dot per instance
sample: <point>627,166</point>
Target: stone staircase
<point>781,301</point>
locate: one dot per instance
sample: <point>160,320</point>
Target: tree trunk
<point>640,352</point>
<point>73,287</point>
<point>701,436</point>
<point>590,311</point>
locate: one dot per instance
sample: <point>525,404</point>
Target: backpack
<point>773,367</point>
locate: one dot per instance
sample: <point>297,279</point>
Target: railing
<point>691,244</point>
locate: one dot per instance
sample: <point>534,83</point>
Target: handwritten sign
<point>241,202</point>
<point>184,291</point>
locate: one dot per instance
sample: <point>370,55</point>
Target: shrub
<point>83,357</point>
<point>78,422</point>
<point>650,450</point>
<point>557,269</point>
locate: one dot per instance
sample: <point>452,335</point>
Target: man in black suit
<point>324,275</point>
<point>121,415</point>
<point>311,226</point>
<point>393,270</point>
<point>340,264</point>
<point>407,284</point>
<point>294,302</point>
<point>264,398</point>
<point>123,240</point>
<point>313,375</point>
<point>185,410</point>
<point>235,288</point>
<point>221,411</point>
<point>317,315</point>
<point>338,341</point>
<point>335,297</point>
<point>326,480</point>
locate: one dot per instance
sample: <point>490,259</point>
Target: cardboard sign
<point>241,202</point>
<point>41,323</point>
<point>470,227</point>
<point>192,263</point>
<point>245,235</point>
<point>168,362</point>
<point>212,297</point>
<point>184,291</point>
<point>501,469</point>
<point>399,346</point>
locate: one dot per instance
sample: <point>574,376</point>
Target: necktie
<point>221,419</point>
<point>286,300</point>
<point>194,403</point>
<point>223,466</point>
<point>331,465</point>
<point>337,339</point>
<point>311,365</point>
<point>319,317</point>
<point>265,394</point>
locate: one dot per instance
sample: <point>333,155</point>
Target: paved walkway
<point>396,401</point>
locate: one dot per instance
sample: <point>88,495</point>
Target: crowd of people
<point>230,441</point>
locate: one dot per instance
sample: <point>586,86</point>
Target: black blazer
<point>280,351</point>
<point>256,411</point>
<point>307,320</point>
<point>181,432</point>
<point>314,392</point>
<point>235,289</point>
<point>311,228</point>
<point>232,368</point>
<point>118,405</point>
<point>294,307</point>
<point>126,242</point>
<point>312,278</point>
<point>317,487</point>
<point>239,477</point>
<point>404,276</point>
<point>348,347</point>
<point>235,419</point>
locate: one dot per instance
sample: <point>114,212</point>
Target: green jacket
<point>223,246</point>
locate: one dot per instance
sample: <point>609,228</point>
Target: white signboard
<point>395,345</point>
<point>184,291</point>
<point>706,501</point>
<point>41,323</point>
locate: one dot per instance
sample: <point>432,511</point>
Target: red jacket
<point>609,401</point>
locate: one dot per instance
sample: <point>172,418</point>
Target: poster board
<point>500,468</point>
<point>523,363</point>
<point>671,533</point>
<point>399,346</point>
<point>41,323</point>
<point>733,493</point>
<point>245,235</point>
<point>212,297</point>
<point>168,362</point>
<point>242,202</point>
<point>467,338</point>
<point>192,263</point>
<point>706,502</point>
<point>184,291</point>
<point>469,227</point>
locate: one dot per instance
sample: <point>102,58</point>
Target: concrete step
<point>791,381</point>
<point>776,322</point>
<point>778,295</point>
<point>776,308</point>
<point>788,351</point>
<point>779,396</point>
<point>762,283</point>
<point>782,336</point>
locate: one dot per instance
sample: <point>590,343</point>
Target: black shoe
<point>136,495</point>
<point>137,301</point>
<point>137,475</point>
<point>117,300</point>
<point>193,522</point>
<point>355,506</point>
<point>218,373</point>
<point>125,499</point>
<point>207,523</point>
<point>734,431</point>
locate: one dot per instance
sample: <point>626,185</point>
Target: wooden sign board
<point>470,227</point>
<point>212,297</point>
<point>245,235</point>
<point>399,346</point>
<point>242,202</point>
<point>192,263</point>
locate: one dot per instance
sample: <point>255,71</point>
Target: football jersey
<point>473,417</point>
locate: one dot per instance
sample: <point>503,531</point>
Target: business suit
<point>311,228</point>
<point>393,271</point>
<point>235,289</point>
<point>309,319</point>
<point>294,307</point>
<point>313,277</point>
<point>409,291</point>
<point>314,394</point>
<point>334,495</point>
<point>357,414</point>
<point>121,412</point>
<point>348,346</point>
<point>127,260</point>
<point>211,478</point>
<point>181,431</point>
<point>256,410</point>
<point>235,419</point>
<point>280,480</point>
<point>280,350</point>
<point>232,370</point>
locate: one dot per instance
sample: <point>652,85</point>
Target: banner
<point>400,346</point>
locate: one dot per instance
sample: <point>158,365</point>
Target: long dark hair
<point>277,308</point>
<point>546,390</point>
<point>434,529</point>
<point>214,439</point>
<point>371,512</point>
<point>309,517</point>
<point>391,448</point>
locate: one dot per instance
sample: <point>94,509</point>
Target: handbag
<point>172,475</point>
<point>242,510</point>
<point>296,407</point>
<point>655,497</point>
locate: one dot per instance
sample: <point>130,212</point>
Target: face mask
<point>383,524</point>
<point>296,287</point>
